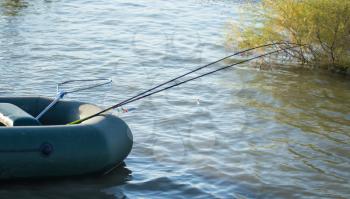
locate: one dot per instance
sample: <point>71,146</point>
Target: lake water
<point>242,133</point>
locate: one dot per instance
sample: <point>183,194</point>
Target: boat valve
<point>46,149</point>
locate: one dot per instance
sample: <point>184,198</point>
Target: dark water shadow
<point>91,186</point>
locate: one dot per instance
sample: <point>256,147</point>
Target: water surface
<point>242,133</point>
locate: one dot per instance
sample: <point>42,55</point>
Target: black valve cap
<point>46,149</point>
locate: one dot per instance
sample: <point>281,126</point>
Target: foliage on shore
<point>323,25</point>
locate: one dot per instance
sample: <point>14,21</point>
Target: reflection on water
<point>238,134</point>
<point>309,113</point>
<point>84,187</point>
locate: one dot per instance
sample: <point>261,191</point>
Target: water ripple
<point>241,133</point>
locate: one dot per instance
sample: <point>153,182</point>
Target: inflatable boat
<point>33,148</point>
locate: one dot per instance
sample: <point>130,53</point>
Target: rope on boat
<point>149,93</point>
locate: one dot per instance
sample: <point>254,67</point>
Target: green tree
<point>323,25</point>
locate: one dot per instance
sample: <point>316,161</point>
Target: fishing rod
<point>205,74</point>
<point>199,68</point>
<point>143,94</point>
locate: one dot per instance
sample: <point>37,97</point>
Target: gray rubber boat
<point>49,148</point>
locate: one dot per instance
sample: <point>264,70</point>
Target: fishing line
<point>143,94</point>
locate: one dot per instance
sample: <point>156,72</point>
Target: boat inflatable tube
<point>50,148</point>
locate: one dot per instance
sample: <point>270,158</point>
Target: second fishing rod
<point>148,92</point>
